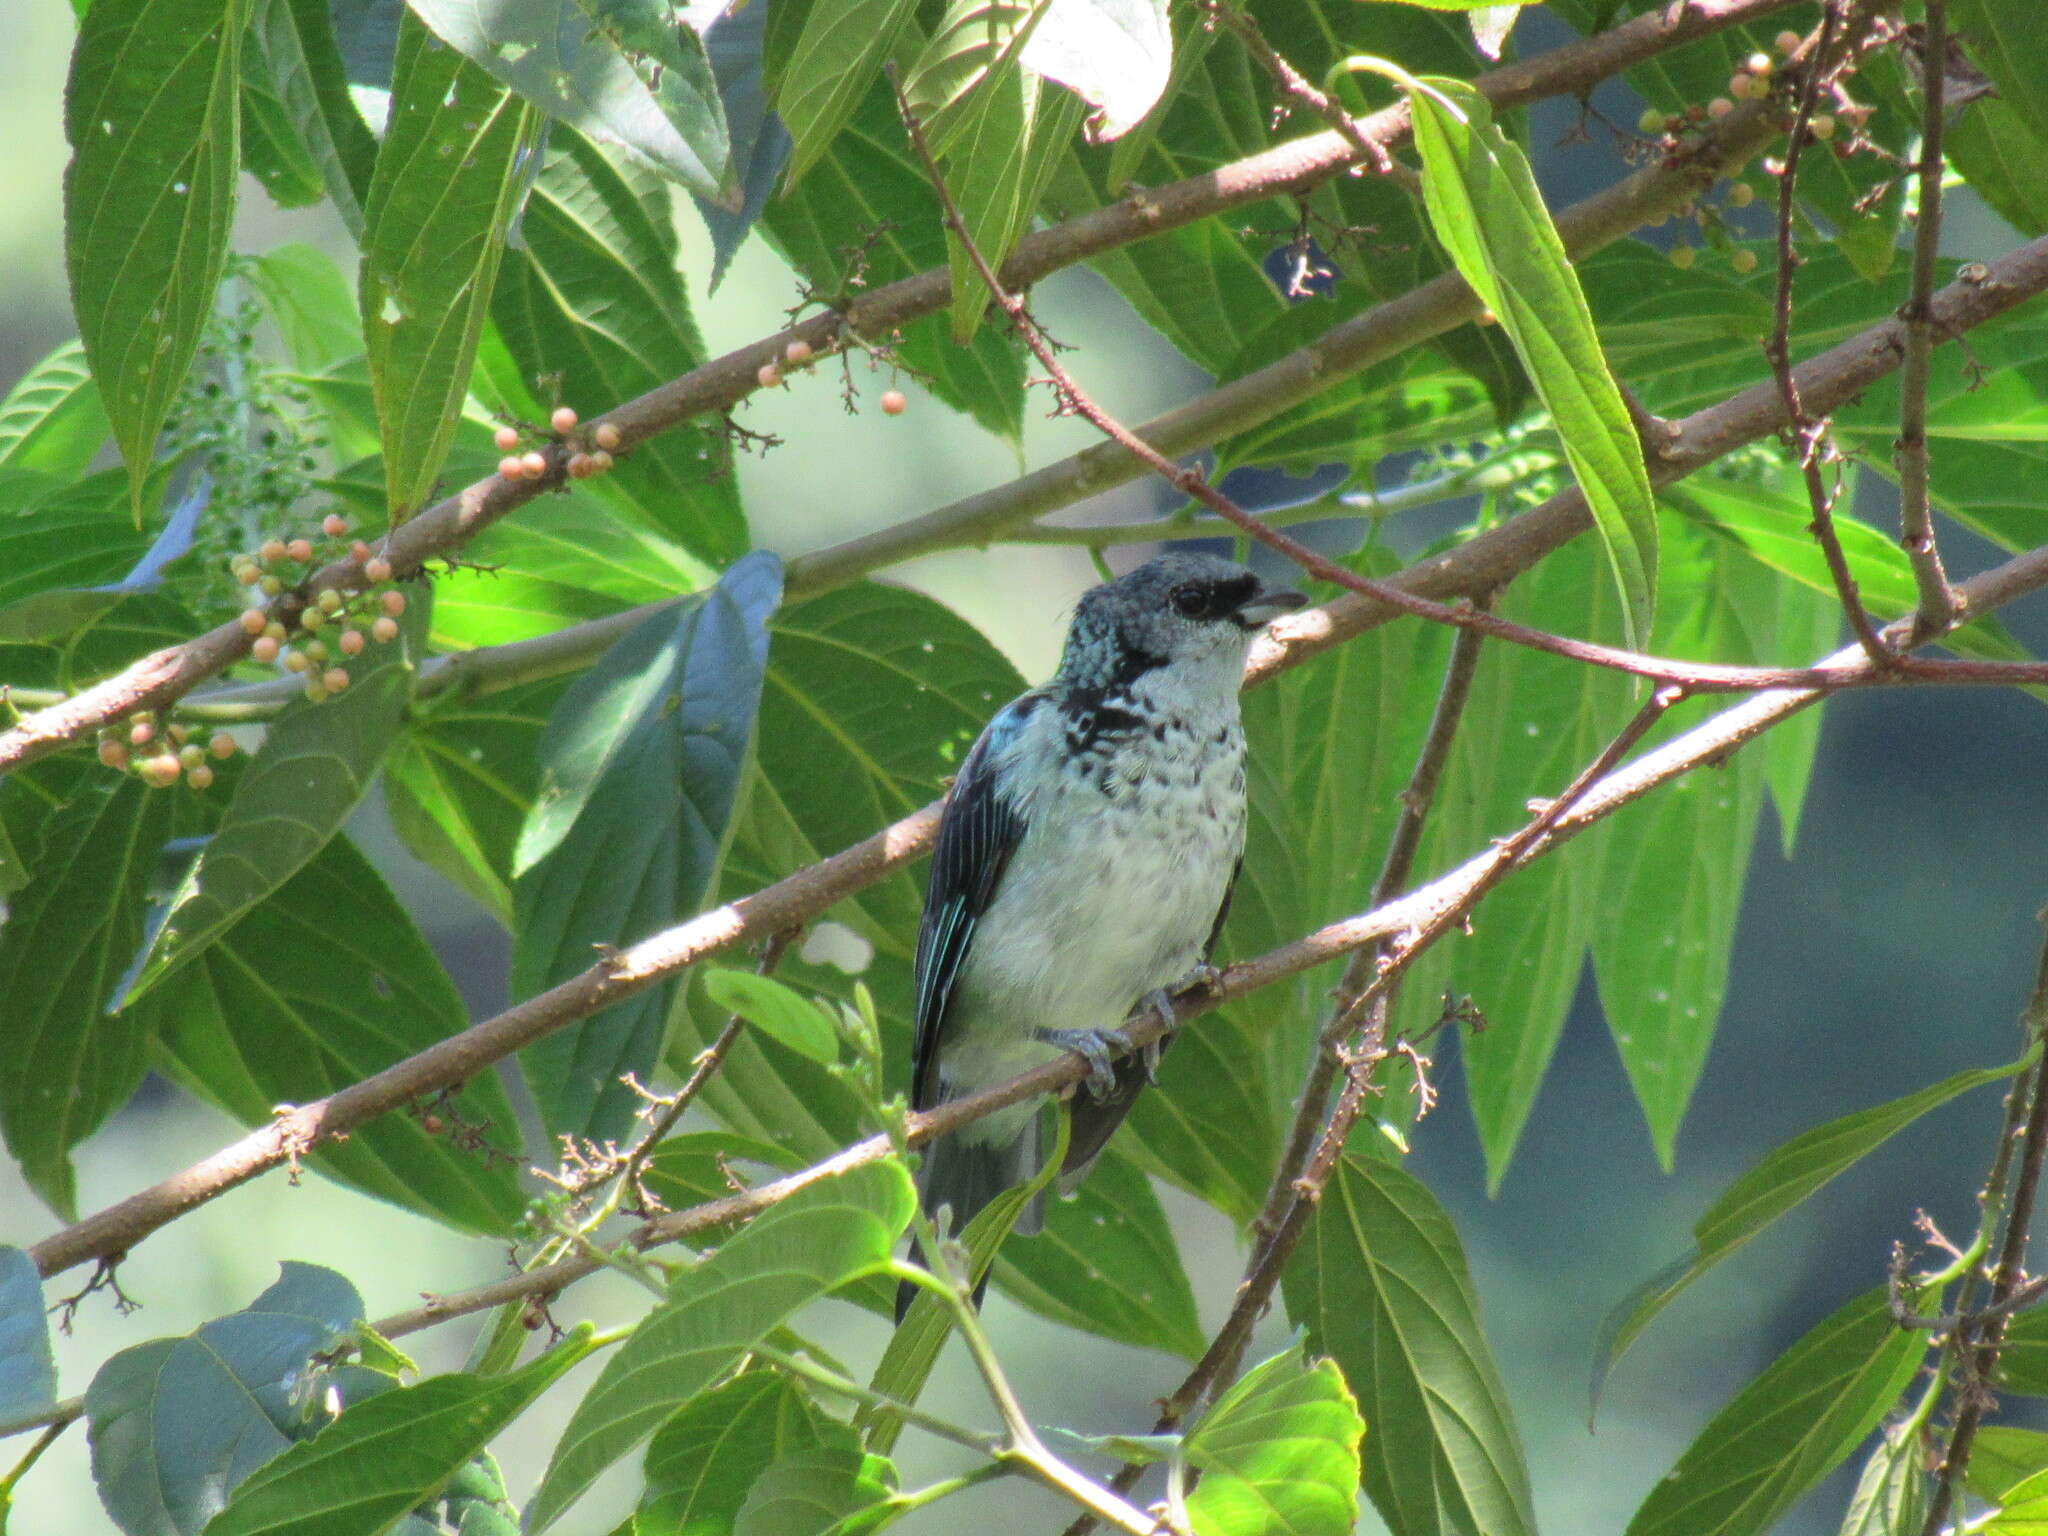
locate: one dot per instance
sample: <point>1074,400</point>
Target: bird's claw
<point>1092,1046</point>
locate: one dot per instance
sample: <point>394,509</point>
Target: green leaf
<point>831,67</point>
<point>28,1370</point>
<point>1117,55</point>
<point>1381,1285</point>
<point>2003,38</point>
<point>2025,1511</point>
<point>148,198</point>
<point>997,172</point>
<point>316,760</point>
<point>692,1167</point>
<point>70,931</point>
<point>272,149</point>
<point>1485,207</point>
<point>781,1012</point>
<point>1106,1263</point>
<point>1996,152</point>
<point>826,1234</point>
<point>641,765</point>
<point>704,1461</point>
<point>595,299</point>
<point>361,991</point>
<point>809,1491</point>
<point>971,53</point>
<point>390,1453</point>
<point>1789,1428</point>
<point>1891,1495</point>
<point>2001,1458</point>
<point>2023,1365</point>
<point>447,184</point>
<point>648,87</point>
<point>52,421</point>
<point>297,44</point>
<point>176,1424</point>
<point>312,304</point>
<point>1780,1182</point>
<point>1278,1453</point>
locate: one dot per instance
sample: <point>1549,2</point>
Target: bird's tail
<point>967,1175</point>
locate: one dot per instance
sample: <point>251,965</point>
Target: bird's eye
<point>1189,600</point>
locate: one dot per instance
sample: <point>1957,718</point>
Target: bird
<point>1086,853</point>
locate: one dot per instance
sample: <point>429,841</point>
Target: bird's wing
<point>1223,911</point>
<point>978,831</point>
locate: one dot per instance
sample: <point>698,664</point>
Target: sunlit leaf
<point>1278,1453</point>
<point>1117,55</point>
<point>831,67</point>
<point>52,420</point>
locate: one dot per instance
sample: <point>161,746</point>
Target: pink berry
<point>385,630</point>
<point>580,467</point>
<point>798,352</point>
<point>271,552</point>
<point>534,464</point>
<point>254,621</point>
<point>222,746</point>
<point>113,753</point>
<point>377,569</point>
<point>300,550</point>
<point>265,648</point>
<point>142,733</point>
<point>359,550</point>
<point>606,435</point>
<point>600,461</point>
<point>512,467</point>
<point>893,403</point>
<point>159,772</point>
<point>394,603</point>
<point>351,642</point>
<point>199,776</point>
<point>334,525</point>
<point>335,679</point>
<point>1788,42</point>
<point>248,573</point>
<point>563,420</point>
<point>1719,108</point>
<point>507,438</point>
<point>768,375</point>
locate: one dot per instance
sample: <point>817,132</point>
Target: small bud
<point>272,551</point>
<point>606,436</point>
<point>431,1124</point>
<point>377,569</point>
<point>1695,113</point>
<point>580,467</point>
<point>563,420</point>
<point>1788,43</point>
<point>329,600</point>
<point>1719,108</point>
<point>334,525</point>
<point>113,753</point>
<point>335,679</point>
<point>1486,317</point>
<point>507,438</point>
<point>1683,256</point>
<point>199,776</point>
<point>191,755</point>
<point>797,353</point>
<point>534,464</point>
<point>1652,121</point>
<point>893,403</point>
<point>384,630</point>
<point>222,746</point>
<point>295,661</point>
<point>142,733</point>
<point>1743,261</point>
<point>768,375</point>
<point>270,586</point>
<point>352,642</point>
<point>178,731</point>
<point>394,603</point>
<point>600,461</point>
<point>254,621</point>
<point>512,467</point>
<point>1821,126</point>
<point>300,550</point>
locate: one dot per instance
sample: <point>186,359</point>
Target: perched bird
<point>1084,864</point>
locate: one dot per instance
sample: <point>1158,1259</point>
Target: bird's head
<point>1195,613</point>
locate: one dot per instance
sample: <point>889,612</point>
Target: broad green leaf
<point>866,209</point>
<point>2023,1365</point>
<point>1278,1453</point>
<point>647,86</point>
<point>1210,1124</point>
<point>148,197</point>
<point>826,1234</point>
<point>1412,401</point>
<point>176,1424</point>
<point>1381,1285</point>
<point>14,872</point>
<point>272,150</point>
<point>2024,1510</point>
<point>1106,1263</point>
<point>316,760</point>
<point>1490,217</point>
<point>361,991</point>
<point>70,932</point>
<point>28,1371</point>
<point>1783,1180</point>
<point>997,172</point>
<point>1789,1428</point>
<point>973,50</point>
<point>52,421</point>
<point>1891,1494</point>
<point>2003,38</point>
<point>736,44</point>
<point>63,553</point>
<point>831,67</point>
<point>449,179</point>
<point>390,1453</point>
<point>296,41</point>
<point>2000,156</point>
<point>460,779</point>
<point>595,300</point>
<point>695,1166</point>
<point>820,1490</point>
<point>1116,55</point>
<point>778,1011</point>
<point>2002,1457</point>
<point>641,766</point>
<point>704,1461</point>
<point>312,304</point>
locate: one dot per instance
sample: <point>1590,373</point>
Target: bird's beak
<point>1267,605</point>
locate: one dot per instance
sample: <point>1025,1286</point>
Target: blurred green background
<point>1894,947</point>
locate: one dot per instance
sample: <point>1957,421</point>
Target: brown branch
<point>157,681</point>
<point>1809,434</point>
<point>1916,524</point>
<point>1481,564</point>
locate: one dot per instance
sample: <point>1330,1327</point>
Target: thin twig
<point>1808,434</point>
<point>1938,609</point>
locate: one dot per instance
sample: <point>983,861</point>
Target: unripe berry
<point>507,438</point>
<point>893,403</point>
<point>222,746</point>
<point>1743,261</point>
<point>312,620</point>
<point>1652,120</point>
<point>600,461</point>
<point>335,680</point>
<point>270,586</point>
<point>329,600</point>
<point>1683,256</point>
<point>300,550</point>
<point>334,525</point>
<point>512,467</point>
<point>384,630</point>
<point>272,551</point>
<point>534,464</point>
<point>394,603</point>
<point>797,352</point>
<point>191,755</point>
<point>1821,126</point>
<point>248,573</point>
<point>295,661</point>
<point>316,651</point>
<point>274,631</point>
<point>313,692</point>
<point>376,569</point>
<point>159,772</point>
<point>606,436</point>
<point>768,375</point>
<point>265,648</point>
<point>141,733</point>
<point>580,467</point>
<point>113,753</point>
<point>254,621</point>
<point>1741,195</point>
<point>563,420</point>
<point>351,642</point>
<point>199,776</point>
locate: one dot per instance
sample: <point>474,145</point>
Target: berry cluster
<point>586,457</point>
<point>800,354</point>
<point>160,756</point>
<point>356,618</point>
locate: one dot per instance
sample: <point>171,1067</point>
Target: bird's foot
<point>1205,978</point>
<point>1094,1047</point>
